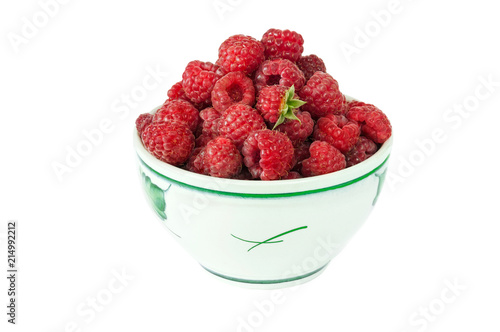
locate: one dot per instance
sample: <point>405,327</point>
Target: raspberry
<point>362,150</point>
<point>322,95</point>
<point>279,71</point>
<point>231,89</point>
<point>203,139</point>
<point>221,158</point>
<point>297,131</point>
<point>292,175</point>
<point>345,107</point>
<point>277,103</point>
<point>199,79</point>
<point>268,154</point>
<point>244,174</point>
<point>309,64</point>
<point>270,102</point>
<point>300,153</point>
<point>143,121</point>
<point>324,159</point>
<point>239,121</point>
<point>241,53</point>
<point>177,92</point>
<point>171,142</point>
<point>374,123</point>
<point>209,128</point>
<point>195,162</point>
<point>283,44</point>
<point>338,131</point>
<point>210,122</point>
<point>178,110</point>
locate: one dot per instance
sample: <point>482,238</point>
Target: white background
<point>436,221</point>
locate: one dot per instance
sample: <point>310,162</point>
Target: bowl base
<point>268,284</point>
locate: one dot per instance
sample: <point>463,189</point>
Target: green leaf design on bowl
<point>269,240</point>
<point>155,195</point>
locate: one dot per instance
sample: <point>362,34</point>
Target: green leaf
<point>156,196</point>
<point>289,105</point>
<point>281,119</point>
<point>291,116</point>
<point>290,93</point>
<point>295,103</point>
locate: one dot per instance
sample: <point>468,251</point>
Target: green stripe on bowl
<point>298,193</point>
<point>265,282</point>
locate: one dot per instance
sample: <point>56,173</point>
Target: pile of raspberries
<point>262,111</point>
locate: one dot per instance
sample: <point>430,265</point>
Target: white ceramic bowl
<point>263,234</point>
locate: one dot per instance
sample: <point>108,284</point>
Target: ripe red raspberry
<point>283,44</point>
<point>195,162</point>
<point>239,121</point>
<point>244,174</point>
<point>177,92</point>
<point>221,158</point>
<point>199,79</point>
<point>271,101</point>
<point>241,53</point>
<point>362,150</point>
<point>171,142</point>
<point>209,128</point>
<point>322,95</point>
<point>324,159</point>
<point>268,154</point>
<point>298,131</point>
<point>210,121</point>
<point>203,139</point>
<point>178,110</point>
<point>233,88</point>
<point>292,175</point>
<point>301,153</point>
<point>338,131</point>
<point>143,121</point>
<point>309,64</point>
<point>279,71</point>
<point>374,123</point>
<point>277,103</point>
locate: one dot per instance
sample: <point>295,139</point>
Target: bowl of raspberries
<point>259,165</point>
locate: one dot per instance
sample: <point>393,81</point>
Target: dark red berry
<point>143,121</point>
<point>241,53</point>
<point>171,142</point>
<point>282,44</point>
<point>309,64</point>
<point>292,175</point>
<point>362,150</point>
<point>233,88</point>
<point>374,123</point>
<point>221,158</point>
<point>239,121</point>
<point>268,154</point>
<point>301,153</point>
<point>322,95</point>
<point>298,131</point>
<point>279,71</point>
<point>338,131</point>
<point>199,79</point>
<point>324,159</point>
<point>178,110</point>
<point>177,92</point>
<point>195,162</point>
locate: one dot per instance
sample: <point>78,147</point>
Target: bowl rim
<point>246,188</point>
